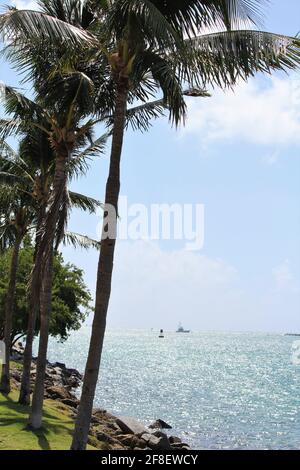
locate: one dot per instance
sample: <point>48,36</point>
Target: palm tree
<point>25,179</point>
<point>18,215</point>
<point>141,47</point>
<point>65,134</point>
<point>14,220</point>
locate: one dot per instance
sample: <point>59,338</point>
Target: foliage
<point>71,298</point>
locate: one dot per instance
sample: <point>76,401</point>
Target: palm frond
<point>85,203</point>
<point>140,117</point>
<point>192,16</point>
<point>141,15</point>
<point>166,79</point>
<point>10,179</point>
<point>6,151</point>
<point>80,241</point>
<point>17,104</point>
<point>22,26</point>
<point>10,127</point>
<point>7,236</point>
<point>224,58</point>
<point>96,148</point>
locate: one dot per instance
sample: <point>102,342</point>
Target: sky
<point>239,156</point>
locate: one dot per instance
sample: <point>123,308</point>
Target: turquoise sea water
<point>217,390</point>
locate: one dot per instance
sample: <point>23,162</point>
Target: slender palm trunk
<point>34,307</point>
<point>45,246</point>
<point>9,309</point>
<point>35,419</point>
<point>104,276</point>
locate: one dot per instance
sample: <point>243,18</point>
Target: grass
<point>56,433</point>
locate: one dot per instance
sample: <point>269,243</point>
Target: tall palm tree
<point>18,213</point>
<point>65,131</point>
<point>141,47</point>
<point>25,181</point>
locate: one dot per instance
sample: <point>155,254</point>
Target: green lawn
<point>14,435</point>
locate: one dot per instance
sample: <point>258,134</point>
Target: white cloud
<point>153,288</point>
<point>25,5</point>
<point>253,113</point>
<point>156,288</point>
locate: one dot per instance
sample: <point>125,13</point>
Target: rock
<point>126,439</point>
<point>74,372</point>
<point>16,356</point>
<point>131,426</point>
<point>111,417</point>
<point>98,411</point>
<point>72,402</point>
<point>157,440</point>
<point>160,442</point>
<point>58,392</point>
<point>60,365</point>
<point>15,374</point>
<point>164,440</point>
<point>180,445</point>
<point>72,382</point>
<point>174,440</point>
<point>160,424</point>
<point>96,420</point>
<point>113,443</point>
<point>149,439</point>
<point>132,441</point>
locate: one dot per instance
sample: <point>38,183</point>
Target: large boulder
<point>56,392</point>
<point>131,426</point>
<point>174,440</point>
<point>72,402</point>
<point>180,446</point>
<point>61,365</point>
<point>156,441</point>
<point>131,440</point>
<point>160,424</point>
<point>114,444</point>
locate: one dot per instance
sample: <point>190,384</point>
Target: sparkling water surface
<point>217,390</point>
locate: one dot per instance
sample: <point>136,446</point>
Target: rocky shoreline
<point>107,432</point>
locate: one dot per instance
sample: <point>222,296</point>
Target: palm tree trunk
<point>34,307</point>
<point>9,309</point>
<point>45,246</point>
<point>35,419</point>
<point>104,276</point>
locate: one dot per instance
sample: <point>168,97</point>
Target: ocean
<point>216,390</point>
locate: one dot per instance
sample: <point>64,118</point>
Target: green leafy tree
<point>71,301</point>
<point>18,214</point>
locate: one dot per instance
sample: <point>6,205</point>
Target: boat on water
<point>292,334</point>
<point>180,329</point>
<point>161,334</point>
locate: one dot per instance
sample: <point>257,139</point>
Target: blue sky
<point>239,156</point>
